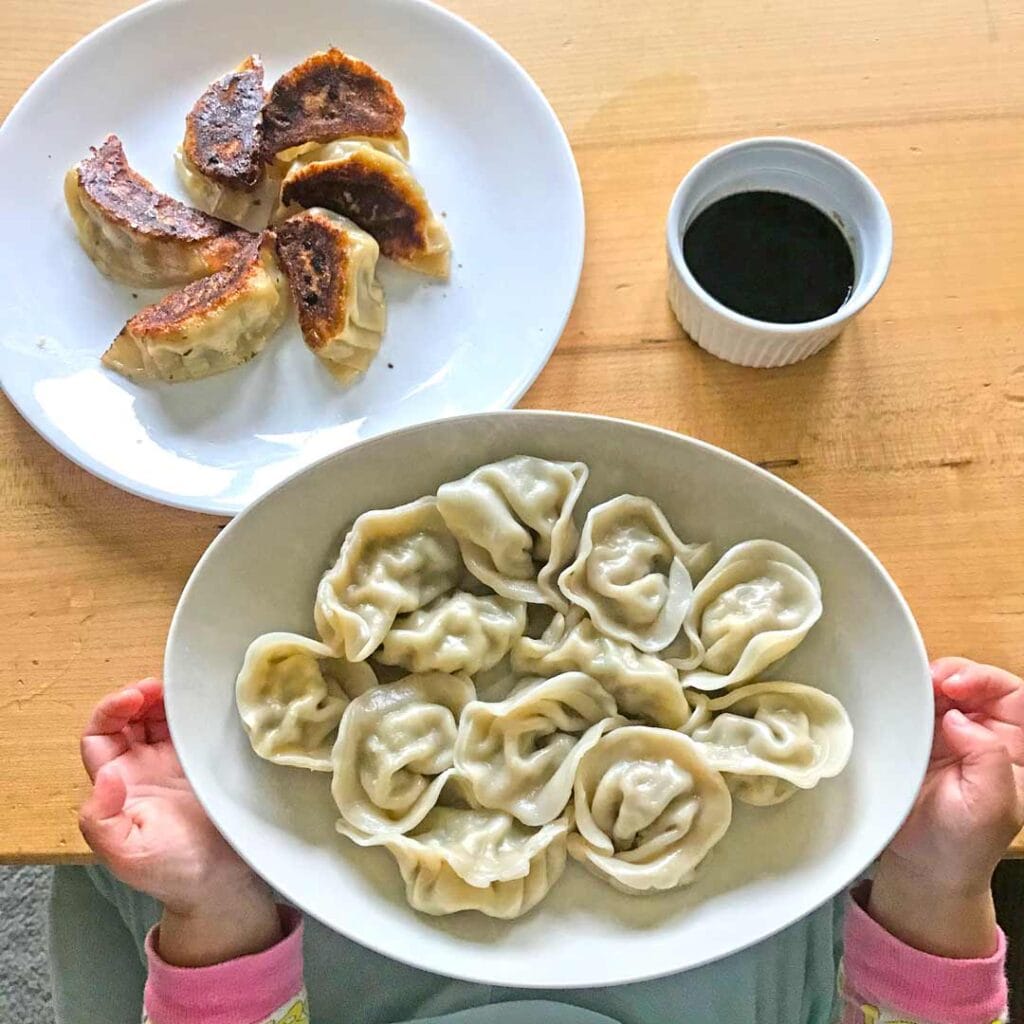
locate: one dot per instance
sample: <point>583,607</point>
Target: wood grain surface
<point>910,428</point>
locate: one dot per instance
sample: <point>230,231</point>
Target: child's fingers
<point>971,742</point>
<point>156,732</point>
<point>943,668</point>
<point>975,686</point>
<point>100,750</point>
<point>985,764</point>
<point>115,711</point>
<point>153,690</point>
<point>102,819</point>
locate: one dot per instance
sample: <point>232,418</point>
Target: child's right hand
<point>932,886</point>
<point>145,824</point>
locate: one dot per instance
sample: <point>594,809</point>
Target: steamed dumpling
<point>499,682</point>
<point>648,809</point>
<point>377,191</point>
<point>632,573</point>
<point>392,561</point>
<point>642,685</point>
<point>520,755</point>
<point>772,737</point>
<point>394,749</point>
<point>220,161</point>
<point>458,632</point>
<point>470,859</point>
<point>331,266</point>
<point>209,326</point>
<point>291,693</point>
<point>753,607</point>
<point>136,234</point>
<point>514,524</point>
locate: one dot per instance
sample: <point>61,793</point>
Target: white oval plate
<point>774,866</point>
<point>486,145</point>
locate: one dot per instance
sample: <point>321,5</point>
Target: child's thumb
<point>101,819</point>
<point>983,758</point>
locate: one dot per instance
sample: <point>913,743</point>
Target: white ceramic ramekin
<point>801,169</point>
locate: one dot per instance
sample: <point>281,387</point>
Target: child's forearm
<point>957,923</point>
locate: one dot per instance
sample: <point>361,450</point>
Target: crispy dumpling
<point>458,632</point>
<point>140,236</point>
<point>209,326</point>
<point>642,685</point>
<point>331,267</point>
<point>520,755</point>
<point>392,561</point>
<point>632,574</point>
<point>220,161</point>
<point>331,96</point>
<point>291,694</point>
<point>792,734</point>
<point>460,858</point>
<point>514,523</point>
<point>648,809</point>
<point>755,605</point>
<point>394,749</point>
<point>379,192</point>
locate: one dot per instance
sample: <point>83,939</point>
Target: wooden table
<point>910,428</point>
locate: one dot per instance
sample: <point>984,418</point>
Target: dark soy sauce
<point>770,256</point>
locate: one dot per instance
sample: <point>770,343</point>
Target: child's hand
<point>144,822</point>
<point>970,807</point>
<point>972,802</point>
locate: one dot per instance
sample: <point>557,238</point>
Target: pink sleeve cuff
<point>882,970</point>
<point>241,991</point>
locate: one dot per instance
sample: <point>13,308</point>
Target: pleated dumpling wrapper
<point>772,738</point>
<point>642,685</point>
<point>521,755</point>
<point>291,694</point>
<point>648,809</point>
<point>331,266</point>
<point>392,561</point>
<point>394,751</point>
<point>514,523</point>
<point>456,632</point>
<point>220,161</point>
<point>138,235</point>
<point>378,191</point>
<point>754,606</point>
<point>209,326</point>
<point>632,574</point>
<point>464,857</point>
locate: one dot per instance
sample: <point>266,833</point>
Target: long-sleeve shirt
<point>881,980</point>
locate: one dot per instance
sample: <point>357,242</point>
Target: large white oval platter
<point>775,864</point>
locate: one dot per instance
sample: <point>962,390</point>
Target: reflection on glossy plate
<point>771,868</point>
<point>487,147</point>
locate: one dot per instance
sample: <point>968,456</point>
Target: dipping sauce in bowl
<point>770,256</point>
<point>774,246</point>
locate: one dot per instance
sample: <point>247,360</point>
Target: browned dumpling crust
<point>331,96</point>
<point>210,325</point>
<point>330,264</point>
<point>314,255</point>
<point>137,234</point>
<point>224,130</point>
<point>379,193</point>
